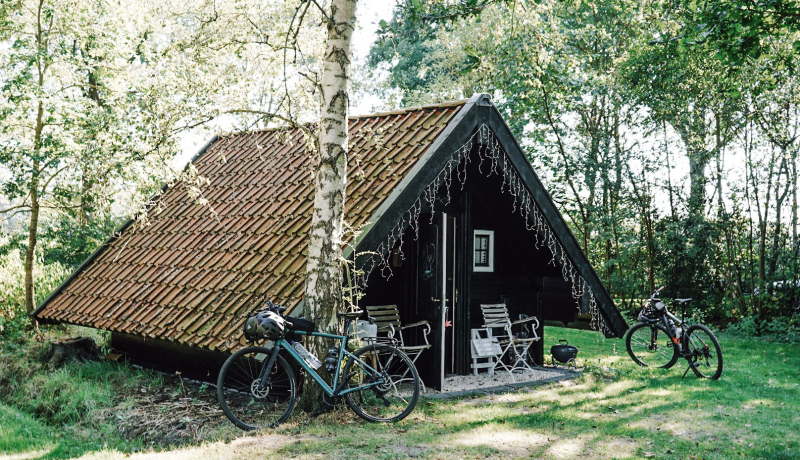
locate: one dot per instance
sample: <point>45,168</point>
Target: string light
<point>491,156</point>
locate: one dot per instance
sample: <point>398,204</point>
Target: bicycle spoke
<point>245,400</point>
<point>387,399</point>
<point>704,352</point>
<point>650,345</point>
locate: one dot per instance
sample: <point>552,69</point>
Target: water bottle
<point>310,359</point>
<point>332,360</point>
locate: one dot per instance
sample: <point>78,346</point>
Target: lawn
<point>615,410</point>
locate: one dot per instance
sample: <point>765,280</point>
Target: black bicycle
<point>659,338</point>
<point>257,387</point>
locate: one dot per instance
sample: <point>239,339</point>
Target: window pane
<point>481,250</point>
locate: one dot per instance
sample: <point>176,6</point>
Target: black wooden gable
<point>480,113</point>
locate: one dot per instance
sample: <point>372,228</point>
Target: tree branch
<point>290,121</point>
<point>3,211</point>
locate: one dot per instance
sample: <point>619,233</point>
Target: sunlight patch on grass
<point>26,455</point>
<point>661,392</point>
<point>245,447</point>
<point>612,390</point>
<point>567,448</point>
<point>618,448</point>
<point>514,441</point>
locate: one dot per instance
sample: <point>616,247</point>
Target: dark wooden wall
<point>523,278</point>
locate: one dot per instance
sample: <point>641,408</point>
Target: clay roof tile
<point>191,278</point>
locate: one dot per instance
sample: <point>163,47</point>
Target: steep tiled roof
<point>190,277</point>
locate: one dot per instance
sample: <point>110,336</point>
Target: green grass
<point>20,432</point>
<point>615,410</point>
<point>23,436</point>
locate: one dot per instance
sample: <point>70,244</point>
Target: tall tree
<point>741,29</point>
<point>323,293</point>
<point>65,111</point>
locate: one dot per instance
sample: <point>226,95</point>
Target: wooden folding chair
<point>485,347</point>
<point>387,318</point>
<point>496,316</point>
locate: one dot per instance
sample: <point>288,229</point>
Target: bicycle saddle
<point>351,315</point>
<point>683,300</point>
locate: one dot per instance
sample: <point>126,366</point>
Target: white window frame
<point>490,256</point>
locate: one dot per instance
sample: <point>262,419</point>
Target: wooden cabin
<point>448,203</point>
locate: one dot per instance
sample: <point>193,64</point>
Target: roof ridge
<point>400,111</point>
<point>405,110</point>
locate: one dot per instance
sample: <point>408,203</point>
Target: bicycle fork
<point>263,377</point>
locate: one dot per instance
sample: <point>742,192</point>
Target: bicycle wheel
<point>247,406</point>
<point>650,345</point>
<point>706,353</point>
<point>390,401</point>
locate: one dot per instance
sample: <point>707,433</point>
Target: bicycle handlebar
<point>656,292</point>
<point>273,307</point>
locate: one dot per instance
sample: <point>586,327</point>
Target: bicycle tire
<point>706,357</point>
<point>639,343</point>
<point>239,396</point>
<point>390,402</point>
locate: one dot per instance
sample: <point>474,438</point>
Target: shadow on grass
<point>616,410</point>
<point>623,412</point>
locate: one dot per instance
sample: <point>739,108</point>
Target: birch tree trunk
<point>323,296</point>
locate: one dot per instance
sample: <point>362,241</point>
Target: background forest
<point>666,132</point>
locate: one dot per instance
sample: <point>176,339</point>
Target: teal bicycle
<point>257,387</point>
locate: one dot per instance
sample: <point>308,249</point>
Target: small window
<point>483,260</point>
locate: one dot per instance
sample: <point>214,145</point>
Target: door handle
<point>439,300</point>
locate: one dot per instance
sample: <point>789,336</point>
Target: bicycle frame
<point>677,341</point>
<point>666,319</point>
<point>330,391</point>
<point>671,323</point>
<point>694,342</point>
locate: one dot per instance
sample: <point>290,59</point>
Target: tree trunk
<point>776,234</point>
<point>33,225</point>
<point>323,294</point>
<point>669,176</point>
<point>30,253</point>
<point>794,200</point>
<point>698,160</point>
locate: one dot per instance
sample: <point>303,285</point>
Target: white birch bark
<point>323,294</point>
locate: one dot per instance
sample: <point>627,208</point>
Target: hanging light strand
<point>492,160</point>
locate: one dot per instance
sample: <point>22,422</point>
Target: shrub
<point>776,329</point>
<point>74,393</point>
<point>13,317</point>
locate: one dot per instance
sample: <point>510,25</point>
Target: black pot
<point>563,352</point>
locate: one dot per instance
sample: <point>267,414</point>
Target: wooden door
<point>432,294</point>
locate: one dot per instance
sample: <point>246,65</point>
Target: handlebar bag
<point>300,324</point>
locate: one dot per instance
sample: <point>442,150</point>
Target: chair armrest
<point>425,332</point>
<point>526,320</point>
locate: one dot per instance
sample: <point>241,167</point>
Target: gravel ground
<point>484,380</point>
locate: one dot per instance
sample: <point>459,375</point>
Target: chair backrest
<point>495,315</point>
<point>385,317</point>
